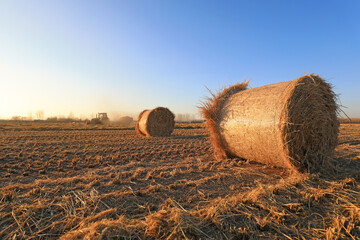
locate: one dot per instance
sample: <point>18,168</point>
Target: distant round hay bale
<point>290,124</point>
<point>156,122</point>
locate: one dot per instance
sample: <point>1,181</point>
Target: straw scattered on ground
<point>108,184</point>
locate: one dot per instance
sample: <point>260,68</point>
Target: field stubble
<point>74,182</point>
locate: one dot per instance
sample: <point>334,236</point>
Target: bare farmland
<point>72,181</point>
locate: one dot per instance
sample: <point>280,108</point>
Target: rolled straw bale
<point>290,124</point>
<point>156,122</point>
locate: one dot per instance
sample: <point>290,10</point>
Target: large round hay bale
<point>289,124</point>
<point>156,122</point>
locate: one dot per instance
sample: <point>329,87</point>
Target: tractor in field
<point>101,118</point>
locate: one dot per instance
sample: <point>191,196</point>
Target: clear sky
<point>123,56</point>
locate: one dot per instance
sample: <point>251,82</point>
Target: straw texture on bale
<point>156,122</point>
<point>290,124</point>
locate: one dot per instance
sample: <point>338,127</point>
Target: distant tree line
<point>187,117</point>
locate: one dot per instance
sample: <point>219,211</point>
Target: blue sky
<point>125,56</point>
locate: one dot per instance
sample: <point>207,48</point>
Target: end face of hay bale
<point>310,126</point>
<point>156,122</point>
<point>211,111</point>
<point>137,126</point>
<point>290,124</point>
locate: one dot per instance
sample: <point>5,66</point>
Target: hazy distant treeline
<point>186,117</point>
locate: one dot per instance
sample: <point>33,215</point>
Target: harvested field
<point>72,182</point>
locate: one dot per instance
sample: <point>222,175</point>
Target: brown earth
<point>72,181</point>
